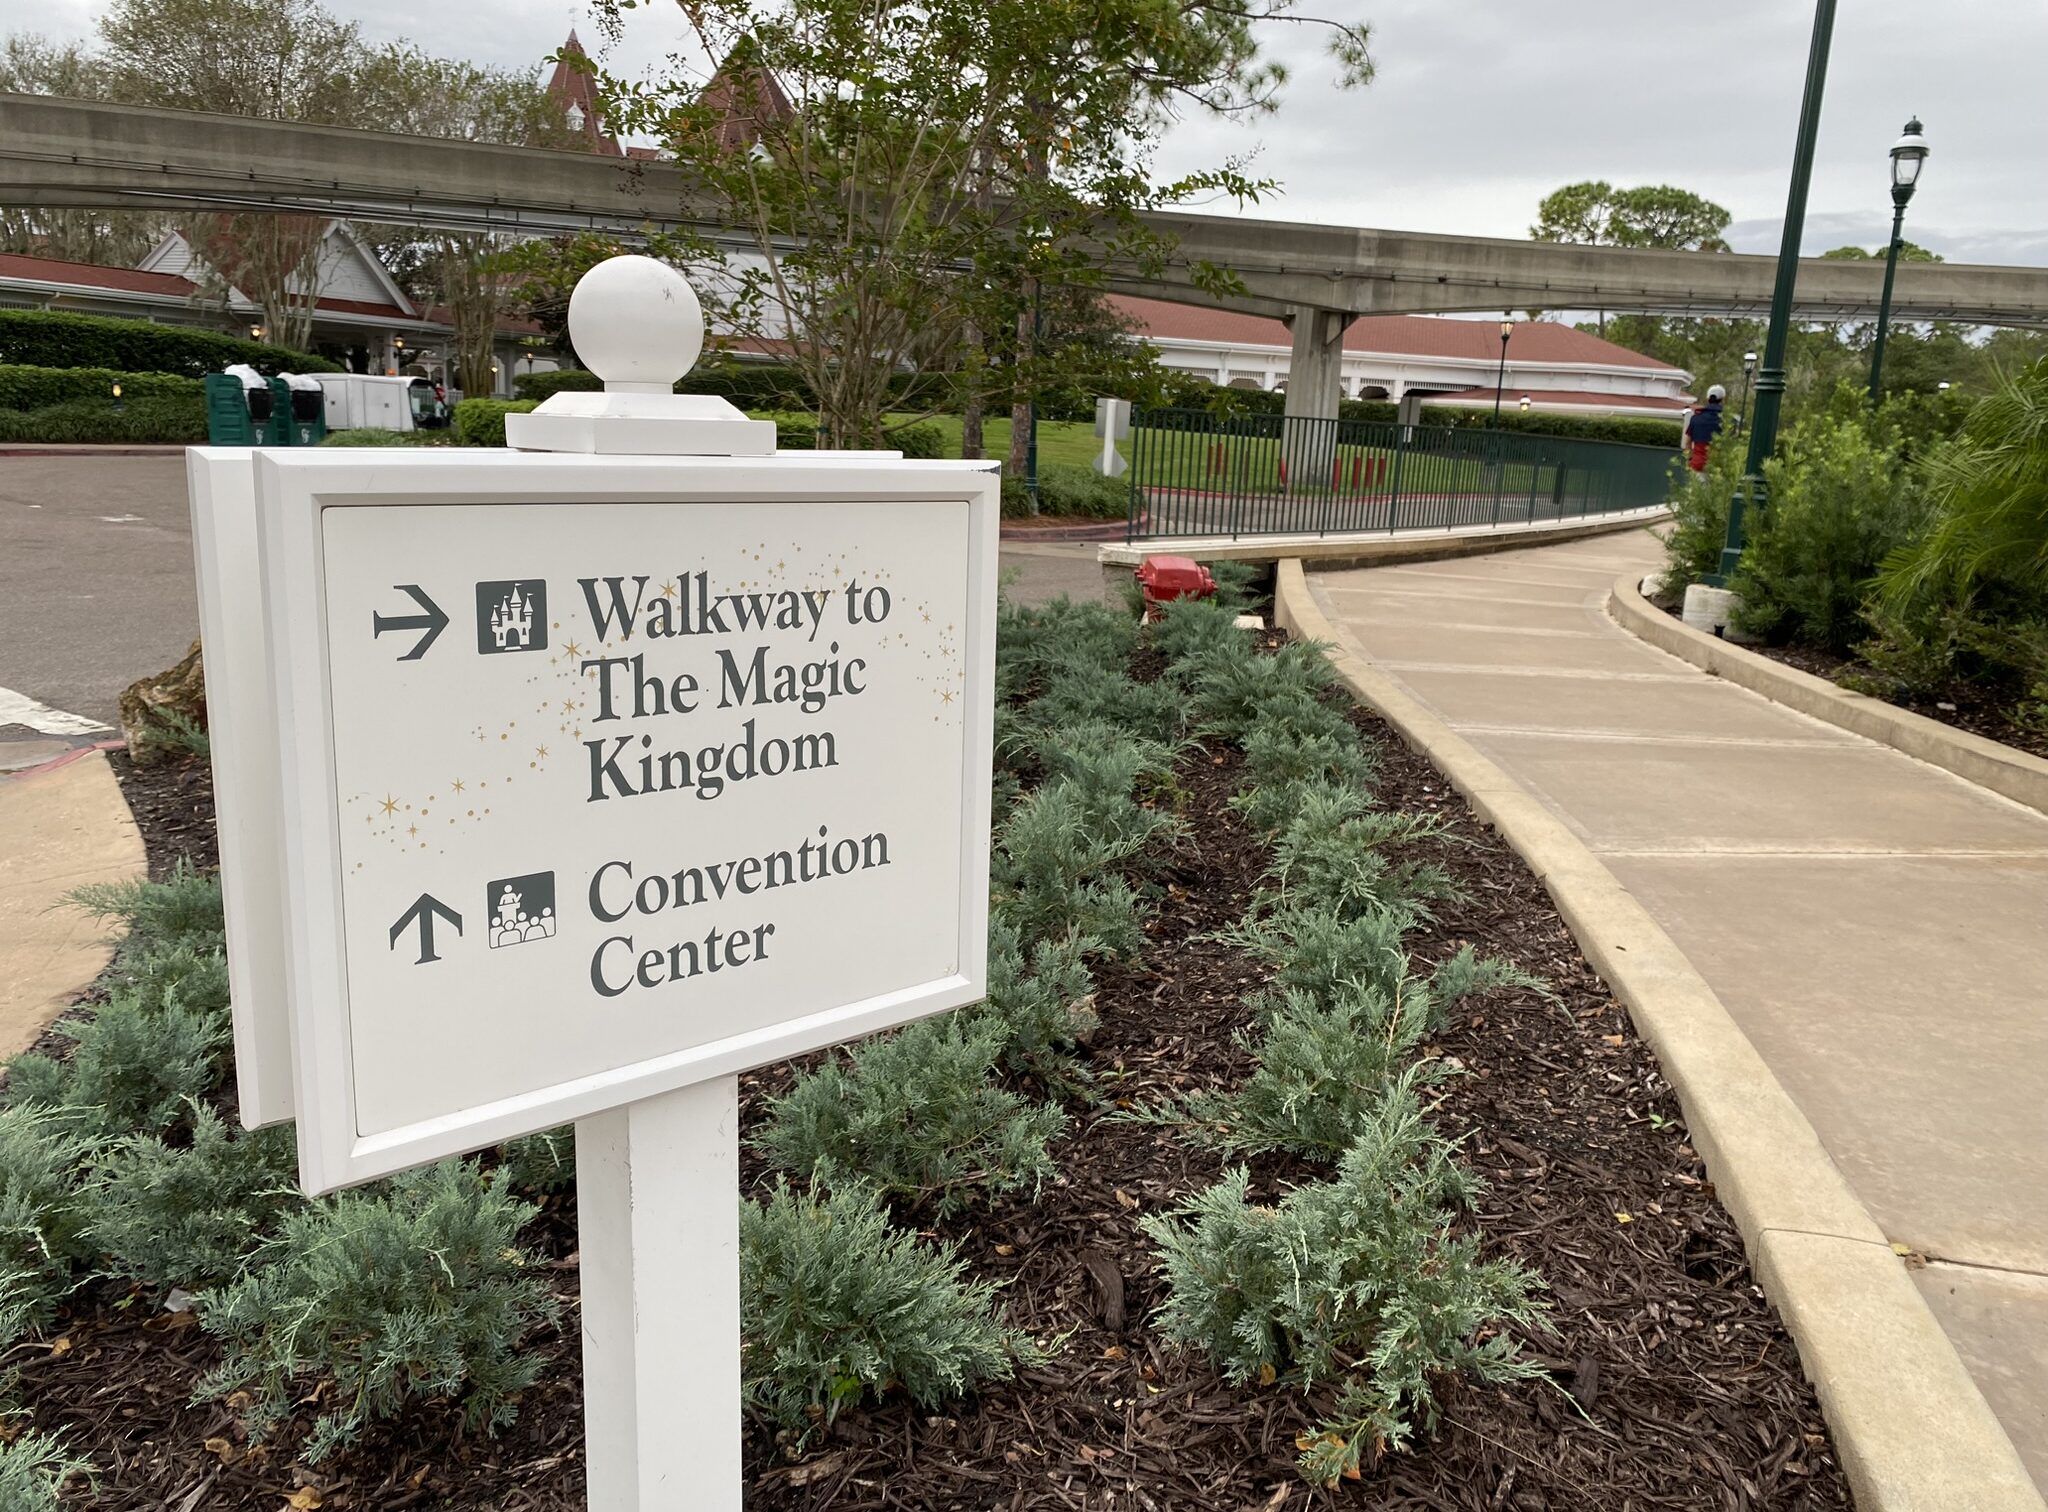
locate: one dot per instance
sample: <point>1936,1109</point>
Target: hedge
<point>29,388</point>
<point>481,422</point>
<point>52,339</point>
<point>763,386</point>
<point>1580,427</point>
<point>157,420</point>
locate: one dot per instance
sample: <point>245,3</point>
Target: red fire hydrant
<point>1162,579</point>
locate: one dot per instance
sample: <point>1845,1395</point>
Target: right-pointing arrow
<point>433,621</point>
<point>423,912</point>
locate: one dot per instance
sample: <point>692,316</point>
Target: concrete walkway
<point>61,827</point>
<point>1878,927</point>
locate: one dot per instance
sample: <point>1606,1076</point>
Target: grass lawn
<point>1070,441</point>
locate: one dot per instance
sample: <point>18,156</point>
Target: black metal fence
<point>1194,474</point>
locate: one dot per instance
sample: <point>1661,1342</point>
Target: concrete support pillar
<point>1314,384</point>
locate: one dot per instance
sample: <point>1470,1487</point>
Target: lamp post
<point>1500,378</point>
<point>1770,381</point>
<point>1908,153</point>
<point>1748,372</point>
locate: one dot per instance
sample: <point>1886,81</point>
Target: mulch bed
<point>1671,1383</point>
<point>1965,705</point>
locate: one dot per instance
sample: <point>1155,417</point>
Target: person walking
<point>1702,427</point>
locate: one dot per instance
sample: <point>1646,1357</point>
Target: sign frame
<point>293,490</point>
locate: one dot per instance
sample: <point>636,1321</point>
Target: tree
<point>1654,215</point>
<point>1908,252</point>
<point>909,180</point>
<point>281,60</point>
<point>31,65</point>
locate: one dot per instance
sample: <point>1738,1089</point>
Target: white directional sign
<point>568,786</point>
<point>610,775</point>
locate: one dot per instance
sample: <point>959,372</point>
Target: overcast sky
<point>1483,106</point>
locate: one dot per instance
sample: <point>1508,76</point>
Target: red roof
<point>745,95</point>
<point>363,307</point>
<point>92,275</point>
<point>1511,398</point>
<point>1401,335</point>
<point>573,86</point>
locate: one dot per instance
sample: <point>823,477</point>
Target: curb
<point>1988,763</point>
<point>1363,550</point>
<point>1913,1430</point>
<point>91,450</point>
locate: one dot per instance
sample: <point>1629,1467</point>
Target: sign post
<point>601,773</point>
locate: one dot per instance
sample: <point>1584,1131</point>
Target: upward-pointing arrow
<point>424,911</point>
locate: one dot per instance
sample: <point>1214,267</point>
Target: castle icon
<point>511,616</point>
<point>512,621</point>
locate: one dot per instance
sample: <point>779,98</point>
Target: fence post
<point>1394,490</point>
<point>1494,444</point>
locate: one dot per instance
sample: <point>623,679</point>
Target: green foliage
<point>173,730</point>
<point>481,422</point>
<point>835,1305</point>
<point>921,442</point>
<point>1236,585</point>
<point>42,1217</point>
<point>371,436</point>
<point>186,909</point>
<point>1283,765</point>
<point>1320,1069</point>
<point>33,1470</point>
<point>1082,693</point>
<point>1033,641</point>
<point>1042,1005</point>
<point>189,1215</point>
<point>412,1290</point>
<point>1237,690</point>
<point>539,386</point>
<point>52,339</point>
<point>543,1163</point>
<point>1331,857</point>
<point>169,421</point>
<point>29,388</point>
<point>915,1115</point>
<point>1990,495</point>
<point>156,971</point>
<point>1189,630</point>
<point>1841,502</point>
<point>1652,215</point>
<point>1356,1279</point>
<point>1066,491</point>
<point>1057,867</point>
<point>134,1066</point>
<point>1699,520</point>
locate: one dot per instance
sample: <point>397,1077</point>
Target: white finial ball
<point>636,323</point>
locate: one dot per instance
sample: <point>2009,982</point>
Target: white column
<point>657,1194</point>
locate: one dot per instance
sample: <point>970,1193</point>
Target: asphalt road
<point>95,579</point>
<point>96,587</point>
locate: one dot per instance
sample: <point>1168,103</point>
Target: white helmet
<point>1716,392</point>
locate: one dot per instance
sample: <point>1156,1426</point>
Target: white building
<point>362,319</point>
<point>1444,361</point>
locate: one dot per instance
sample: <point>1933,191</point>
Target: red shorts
<point>1698,460</point>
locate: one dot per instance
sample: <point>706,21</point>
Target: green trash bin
<point>237,416</point>
<point>307,412</point>
<point>278,432</point>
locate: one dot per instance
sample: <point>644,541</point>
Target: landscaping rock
<point>155,709</point>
